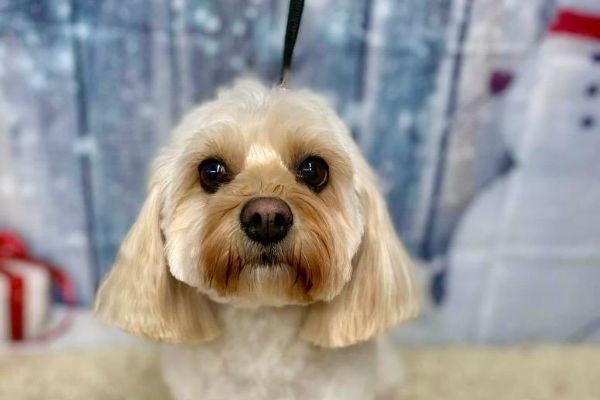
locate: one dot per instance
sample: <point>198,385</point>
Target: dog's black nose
<point>266,219</point>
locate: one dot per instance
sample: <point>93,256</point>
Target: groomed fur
<point>341,259</point>
<point>142,297</point>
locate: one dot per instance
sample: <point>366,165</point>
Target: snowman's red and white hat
<point>579,23</point>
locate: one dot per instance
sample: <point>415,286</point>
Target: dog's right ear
<point>142,297</point>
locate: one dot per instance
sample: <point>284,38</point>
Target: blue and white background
<point>89,89</point>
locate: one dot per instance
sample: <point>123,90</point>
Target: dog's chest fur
<point>259,356</point>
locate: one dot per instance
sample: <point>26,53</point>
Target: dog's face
<point>261,198</point>
<point>260,202</point>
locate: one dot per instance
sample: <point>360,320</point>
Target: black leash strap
<point>291,33</point>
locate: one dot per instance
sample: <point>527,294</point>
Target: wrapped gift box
<point>25,299</point>
<point>25,292</point>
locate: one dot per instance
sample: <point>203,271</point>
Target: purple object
<point>500,80</point>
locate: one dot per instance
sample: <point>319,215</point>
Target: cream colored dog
<point>265,254</point>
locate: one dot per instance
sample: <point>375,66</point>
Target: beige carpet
<point>464,373</point>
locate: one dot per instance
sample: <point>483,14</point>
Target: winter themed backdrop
<point>438,95</point>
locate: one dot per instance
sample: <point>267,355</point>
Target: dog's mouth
<point>267,259</point>
<point>264,267</point>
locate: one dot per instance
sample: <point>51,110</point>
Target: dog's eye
<point>212,174</point>
<point>314,172</point>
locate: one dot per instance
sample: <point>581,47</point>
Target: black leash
<point>291,33</point>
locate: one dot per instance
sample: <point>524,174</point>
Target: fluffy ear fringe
<point>142,297</point>
<point>381,292</point>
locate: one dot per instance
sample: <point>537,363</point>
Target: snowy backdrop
<point>89,89</point>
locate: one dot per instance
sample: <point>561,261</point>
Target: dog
<point>264,256</point>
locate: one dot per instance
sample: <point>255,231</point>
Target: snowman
<point>525,258</point>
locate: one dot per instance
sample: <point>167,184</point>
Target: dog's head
<point>261,198</point>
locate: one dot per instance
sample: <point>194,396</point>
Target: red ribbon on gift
<point>15,304</point>
<point>12,247</point>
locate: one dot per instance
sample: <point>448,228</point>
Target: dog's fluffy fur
<point>301,327</point>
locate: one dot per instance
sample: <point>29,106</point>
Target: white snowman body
<point>525,259</point>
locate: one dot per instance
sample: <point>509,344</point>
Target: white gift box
<point>25,299</point>
<point>25,292</point>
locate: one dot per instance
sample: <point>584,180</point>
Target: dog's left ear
<point>142,297</point>
<point>381,292</point>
